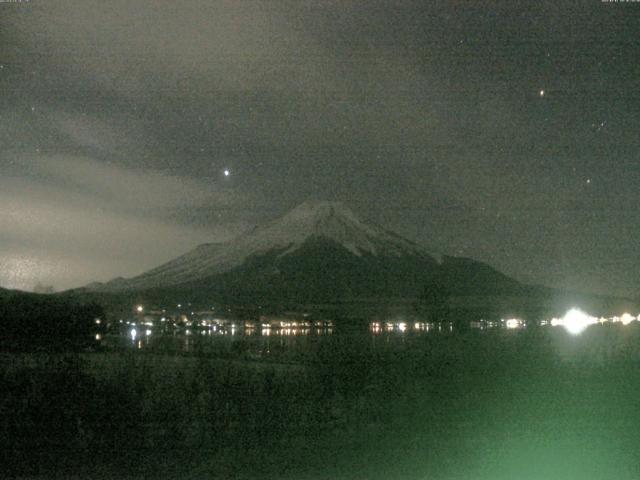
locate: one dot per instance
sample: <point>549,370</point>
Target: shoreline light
<point>627,318</point>
<point>576,321</point>
<point>513,323</point>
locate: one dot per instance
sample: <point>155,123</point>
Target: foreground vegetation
<point>528,405</point>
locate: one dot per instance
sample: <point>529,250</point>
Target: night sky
<point>507,132</point>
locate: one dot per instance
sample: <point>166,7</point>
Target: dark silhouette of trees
<point>38,322</point>
<point>433,302</point>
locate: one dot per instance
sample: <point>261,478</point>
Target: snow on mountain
<point>327,220</point>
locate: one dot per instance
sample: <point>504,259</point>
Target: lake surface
<point>401,402</point>
<point>269,341</point>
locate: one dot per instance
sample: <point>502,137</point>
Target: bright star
<point>226,172</point>
<point>542,93</point>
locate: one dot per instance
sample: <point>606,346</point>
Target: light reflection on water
<point>259,340</point>
<point>247,338</point>
<point>222,334</point>
<point>191,338</point>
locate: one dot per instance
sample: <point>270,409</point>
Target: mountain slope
<point>319,253</point>
<point>330,221</point>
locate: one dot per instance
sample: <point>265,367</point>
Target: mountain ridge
<point>330,220</point>
<point>321,257</point>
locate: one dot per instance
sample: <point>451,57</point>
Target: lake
<point>517,401</point>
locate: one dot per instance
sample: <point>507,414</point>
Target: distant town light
<point>627,318</point>
<point>575,321</point>
<point>513,323</point>
<point>140,309</point>
<point>134,333</point>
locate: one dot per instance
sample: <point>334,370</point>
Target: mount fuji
<point>319,252</point>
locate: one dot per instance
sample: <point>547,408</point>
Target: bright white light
<point>627,318</point>
<point>98,321</point>
<point>140,308</point>
<point>226,172</point>
<point>542,93</point>
<point>513,323</point>
<point>147,332</point>
<point>134,333</point>
<point>402,326</point>
<point>575,321</point>
<point>98,337</point>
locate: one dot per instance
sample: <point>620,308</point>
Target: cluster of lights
<point>513,323</point>
<point>576,321</point>
<point>400,326</point>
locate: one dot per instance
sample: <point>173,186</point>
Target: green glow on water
<point>510,404</point>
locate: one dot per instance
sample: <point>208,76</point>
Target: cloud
<point>91,132</point>
<point>51,236</point>
<point>266,70</point>
<point>126,188</point>
<point>103,219</point>
<point>122,43</point>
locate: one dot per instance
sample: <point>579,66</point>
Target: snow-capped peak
<point>325,220</point>
<point>332,221</point>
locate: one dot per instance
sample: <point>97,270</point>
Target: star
<point>226,172</point>
<point>541,93</point>
<point>588,181</point>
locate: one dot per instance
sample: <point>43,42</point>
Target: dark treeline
<point>35,322</point>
